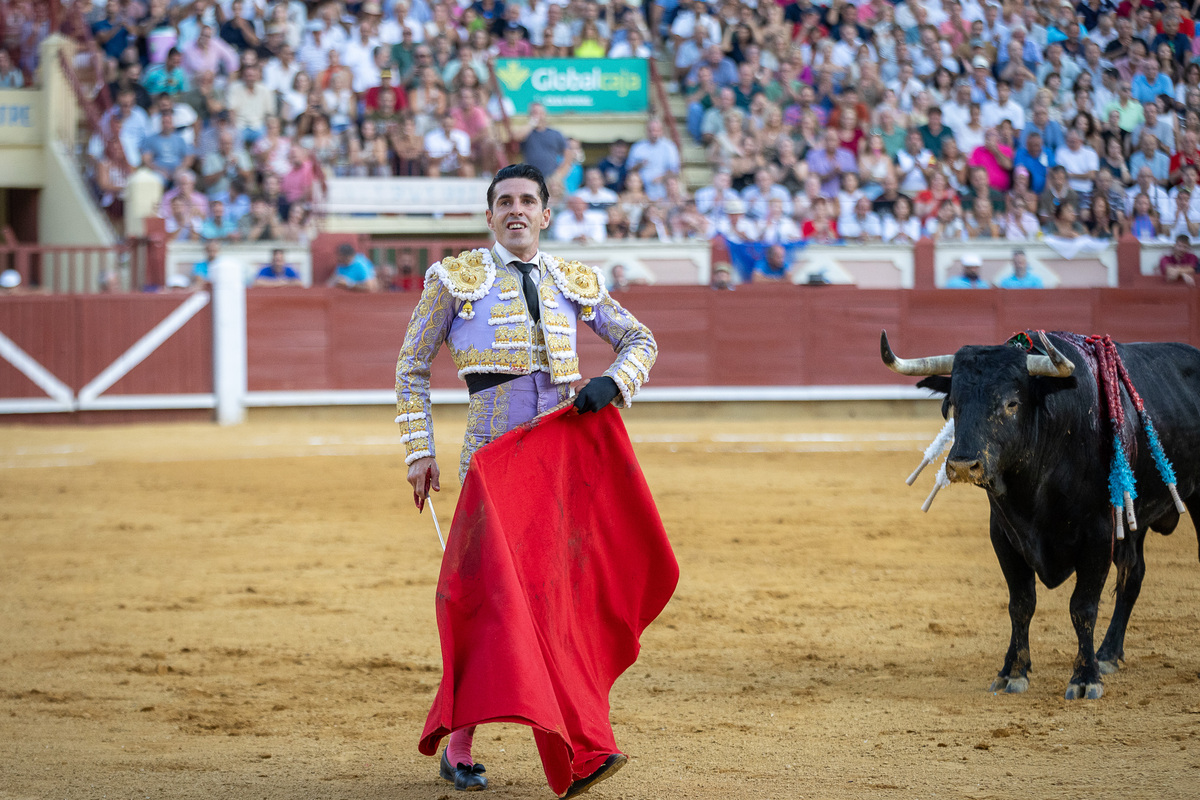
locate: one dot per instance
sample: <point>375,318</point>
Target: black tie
<point>531,292</point>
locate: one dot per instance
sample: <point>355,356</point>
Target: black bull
<point>1040,444</point>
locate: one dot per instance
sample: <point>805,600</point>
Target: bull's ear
<point>935,383</point>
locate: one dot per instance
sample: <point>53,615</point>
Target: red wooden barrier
<point>324,339</point>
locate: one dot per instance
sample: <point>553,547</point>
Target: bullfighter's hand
<point>423,474</point>
<point>595,393</point>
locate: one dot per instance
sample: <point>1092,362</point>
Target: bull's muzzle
<point>965,470</point>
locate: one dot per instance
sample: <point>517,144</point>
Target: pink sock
<point>458,751</point>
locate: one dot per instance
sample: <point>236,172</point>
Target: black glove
<point>598,393</point>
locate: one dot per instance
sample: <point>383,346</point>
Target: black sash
<point>478,381</point>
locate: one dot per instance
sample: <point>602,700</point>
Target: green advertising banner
<point>575,85</point>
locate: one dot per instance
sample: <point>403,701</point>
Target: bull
<point>1031,429</point>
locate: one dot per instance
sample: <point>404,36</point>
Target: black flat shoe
<point>607,770</point>
<point>465,777</point>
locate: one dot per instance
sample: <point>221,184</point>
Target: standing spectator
<point>448,151</point>
<point>1181,263</point>
<point>166,151</point>
<point>209,53</point>
<point>1021,277</point>
<point>353,271</point>
<point>250,103</point>
<point>542,146</point>
<point>613,165</point>
<point>654,158</point>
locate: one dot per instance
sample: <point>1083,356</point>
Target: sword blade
<point>436,526</point>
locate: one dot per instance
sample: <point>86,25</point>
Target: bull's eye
<point>1012,407</point>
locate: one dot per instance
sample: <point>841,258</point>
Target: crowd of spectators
<point>887,122</point>
<point>836,121</point>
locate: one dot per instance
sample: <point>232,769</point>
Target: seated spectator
<point>448,150</point>
<point>735,226</point>
<point>711,199</point>
<point>980,219</point>
<point>1019,223</point>
<point>900,226</point>
<point>1145,184</point>
<point>597,196</point>
<point>353,271</point>
<point>687,224</point>
<point>947,225</point>
<point>969,277</point>
<point>579,224</point>
<point>1035,160</point>
<point>830,162</point>
<point>927,204</point>
<point>1183,221</point>
<point>778,226</point>
<point>227,163</point>
<point>10,76</point>
<point>996,159</point>
<point>764,189</point>
<point>861,225</point>
<point>236,200</point>
<point>183,224</point>
<point>822,227</point>
<point>1057,193</point>
<point>300,226</point>
<point>1066,224</point>
<point>848,195</point>
<point>297,184</point>
<point>1180,265</point>
<point>167,77</point>
<point>1188,155</point>
<point>617,226</point>
<point>1143,221</point>
<point>262,223</point>
<point>913,163</point>
<point>1021,277</point>
<point>185,189</point>
<point>278,272</point>
<point>218,227</point>
<point>1149,155</point>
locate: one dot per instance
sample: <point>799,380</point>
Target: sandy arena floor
<point>196,612</point>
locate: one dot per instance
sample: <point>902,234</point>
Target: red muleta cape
<point>557,561</point>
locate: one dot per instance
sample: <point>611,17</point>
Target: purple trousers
<point>495,411</point>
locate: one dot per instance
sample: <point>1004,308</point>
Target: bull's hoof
<point>1109,667</point>
<point>1091,691</point>
<point>1008,685</point>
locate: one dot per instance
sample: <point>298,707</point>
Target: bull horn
<point>1052,365</point>
<point>937,365</point>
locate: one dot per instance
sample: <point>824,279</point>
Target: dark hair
<point>526,171</point>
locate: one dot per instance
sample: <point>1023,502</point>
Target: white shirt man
<point>1159,198</point>
<point>1003,108</point>
<point>447,146</point>
<point>1080,162</point>
<point>579,223</point>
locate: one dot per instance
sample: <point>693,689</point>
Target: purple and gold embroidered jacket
<point>479,310</point>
